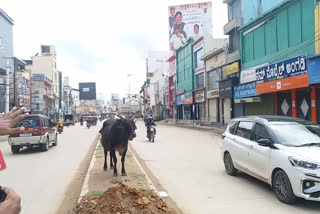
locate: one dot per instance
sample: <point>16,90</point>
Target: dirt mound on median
<point>122,199</point>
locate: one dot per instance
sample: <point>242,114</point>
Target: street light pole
<point>129,75</point>
<point>7,86</point>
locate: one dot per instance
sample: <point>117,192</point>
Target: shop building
<point>185,82</point>
<point>276,45</point>
<point>215,70</point>
<point>6,59</point>
<point>42,100</point>
<point>172,86</point>
<point>199,80</point>
<point>313,64</point>
<point>20,85</point>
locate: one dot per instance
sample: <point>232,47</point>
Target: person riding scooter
<point>59,126</point>
<point>150,123</point>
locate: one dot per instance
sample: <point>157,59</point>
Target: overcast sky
<point>98,40</point>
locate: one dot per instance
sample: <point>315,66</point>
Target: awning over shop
<point>248,100</point>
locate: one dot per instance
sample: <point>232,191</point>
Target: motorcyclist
<point>81,120</point>
<point>149,123</point>
<point>59,124</point>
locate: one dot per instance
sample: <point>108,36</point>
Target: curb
<point>202,128</point>
<point>143,171</point>
<point>85,185</point>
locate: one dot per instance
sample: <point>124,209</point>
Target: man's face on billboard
<point>196,30</point>
<point>179,19</point>
<point>172,11</point>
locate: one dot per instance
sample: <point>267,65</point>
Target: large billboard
<point>87,91</point>
<point>189,20</point>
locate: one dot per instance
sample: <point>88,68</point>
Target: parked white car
<point>281,151</point>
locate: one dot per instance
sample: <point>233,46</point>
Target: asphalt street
<point>41,178</point>
<point>189,166</point>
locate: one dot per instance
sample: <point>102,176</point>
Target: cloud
<point>98,40</point>
<point>87,59</point>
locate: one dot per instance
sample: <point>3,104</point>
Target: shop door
<point>284,104</point>
<point>304,104</point>
<point>318,104</point>
<point>238,109</point>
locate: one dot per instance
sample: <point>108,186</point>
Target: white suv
<point>281,151</point>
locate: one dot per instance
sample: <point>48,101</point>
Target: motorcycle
<point>88,125</point>
<point>152,133</point>
<point>60,129</point>
<point>81,123</point>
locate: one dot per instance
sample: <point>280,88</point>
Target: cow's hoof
<point>105,168</point>
<point>124,174</point>
<point>111,167</point>
<point>115,174</point>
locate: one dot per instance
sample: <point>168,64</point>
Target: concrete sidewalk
<point>216,127</point>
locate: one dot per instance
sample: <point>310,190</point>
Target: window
<point>199,81</point>
<point>303,133</point>
<point>244,129</point>
<point>213,79</point>
<point>197,58</point>
<point>233,127</point>
<point>261,132</point>
<point>30,122</point>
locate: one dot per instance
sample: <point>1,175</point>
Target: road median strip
<point>99,183</point>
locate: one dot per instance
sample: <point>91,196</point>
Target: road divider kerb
<point>144,172</point>
<point>85,186</point>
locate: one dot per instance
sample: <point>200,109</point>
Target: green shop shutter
<point>282,30</point>
<point>259,48</point>
<point>294,14</point>
<point>271,37</point>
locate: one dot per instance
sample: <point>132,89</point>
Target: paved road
<point>188,165</point>
<point>42,177</point>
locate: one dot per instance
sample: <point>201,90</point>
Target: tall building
<point>46,64</point>
<point>6,58</point>
<point>276,45</point>
<point>185,81</point>
<point>20,85</point>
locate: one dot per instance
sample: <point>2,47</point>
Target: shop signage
<point>285,69</point>
<point>300,81</point>
<point>249,75</point>
<point>213,94</point>
<point>188,97</point>
<point>199,70</point>
<point>180,100</point>
<point>38,77</point>
<point>199,96</point>
<point>232,68</point>
<point>180,92</point>
<point>245,90</point>
<point>313,69</point>
<point>172,68</point>
<point>225,88</point>
<point>188,100</point>
<point>248,100</point>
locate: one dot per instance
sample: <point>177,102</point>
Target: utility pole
<point>7,85</point>
<point>129,75</point>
